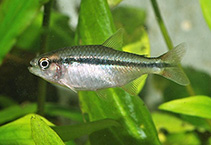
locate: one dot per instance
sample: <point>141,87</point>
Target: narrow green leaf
<point>74,131</point>
<point>6,101</point>
<point>199,106</point>
<point>42,134</point>
<point>15,16</point>
<point>206,5</point>
<point>52,109</point>
<point>16,111</point>
<point>18,132</point>
<point>171,123</point>
<point>94,27</point>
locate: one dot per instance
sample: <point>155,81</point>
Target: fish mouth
<point>33,66</point>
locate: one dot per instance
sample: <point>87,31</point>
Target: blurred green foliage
<point>119,118</point>
<point>205,5</point>
<point>15,16</point>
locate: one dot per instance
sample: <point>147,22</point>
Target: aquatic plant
<point>119,118</point>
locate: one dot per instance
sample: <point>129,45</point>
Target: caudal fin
<point>174,72</point>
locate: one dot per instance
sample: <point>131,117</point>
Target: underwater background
<point>161,112</point>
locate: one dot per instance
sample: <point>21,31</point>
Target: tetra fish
<point>96,67</point>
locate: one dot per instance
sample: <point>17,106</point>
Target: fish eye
<point>44,63</point>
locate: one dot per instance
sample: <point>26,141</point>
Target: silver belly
<point>95,77</point>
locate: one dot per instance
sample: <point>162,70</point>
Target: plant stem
<point>167,37</point>
<point>161,24</point>
<point>43,47</point>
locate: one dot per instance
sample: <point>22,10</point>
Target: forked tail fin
<point>173,57</point>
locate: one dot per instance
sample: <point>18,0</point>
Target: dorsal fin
<point>115,41</point>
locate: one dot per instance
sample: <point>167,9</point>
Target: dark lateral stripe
<point>98,61</point>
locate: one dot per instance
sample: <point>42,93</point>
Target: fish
<point>97,67</point>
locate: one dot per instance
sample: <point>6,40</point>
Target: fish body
<point>95,67</point>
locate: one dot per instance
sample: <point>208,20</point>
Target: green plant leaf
<point>205,5</point>
<point>95,21</point>
<point>94,27</point>
<point>137,126</point>
<point>170,123</point>
<point>19,131</point>
<point>74,131</point>
<point>198,122</point>
<point>52,109</point>
<point>42,134</point>
<point>15,16</point>
<point>16,111</point>
<point>182,139</point>
<point>6,101</point>
<point>199,106</point>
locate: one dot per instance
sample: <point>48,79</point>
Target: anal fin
<point>135,86</point>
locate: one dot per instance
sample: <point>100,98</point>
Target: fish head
<point>46,67</point>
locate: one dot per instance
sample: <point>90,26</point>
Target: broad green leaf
<point>42,134</point>
<point>15,16</point>
<point>16,111</point>
<point>95,26</point>
<point>182,139</point>
<point>18,132</point>
<point>170,123</point>
<point>95,21</point>
<point>205,5</point>
<point>140,47</point>
<point>52,109</point>
<point>60,34</point>
<point>199,106</point>
<point>74,131</point>
<point>129,110</point>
